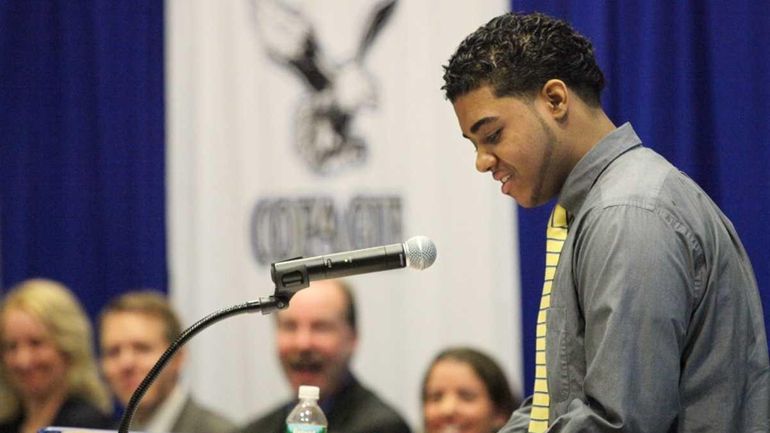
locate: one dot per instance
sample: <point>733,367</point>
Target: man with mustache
<point>135,330</point>
<point>316,338</point>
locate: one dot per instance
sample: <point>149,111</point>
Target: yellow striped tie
<point>556,234</point>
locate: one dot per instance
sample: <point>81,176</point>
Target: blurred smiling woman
<point>48,373</point>
<point>465,391</point>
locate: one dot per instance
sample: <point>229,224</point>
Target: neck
<point>40,412</point>
<point>330,393</point>
<point>600,126</point>
<point>142,415</point>
<point>149,406</point>
<point>595,125</point>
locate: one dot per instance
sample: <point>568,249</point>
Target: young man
<point>316,338</point>
<point>651,319</point>
<point>135,330</point>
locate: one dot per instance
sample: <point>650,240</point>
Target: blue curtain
<point>82,145</point>
<point>693,77</point>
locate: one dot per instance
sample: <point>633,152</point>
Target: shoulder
<point>11,425</point>
<point>641,192</point>
<point>204,419</point>
<point>643,178</point>
<point>638,175</point>
<point>361,410</point>
<point>269,422</point>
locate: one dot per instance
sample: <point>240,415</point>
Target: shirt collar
<point>328,403</point>
<point>593,163</point>
<point>164,418</point>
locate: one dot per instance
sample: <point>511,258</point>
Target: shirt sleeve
<point>634,277</point>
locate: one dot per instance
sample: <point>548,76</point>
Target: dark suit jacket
<point>195,418</point>
<point>75,412</point>
<point>355,409</point>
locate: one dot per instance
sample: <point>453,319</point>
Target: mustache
<point>310,361</point>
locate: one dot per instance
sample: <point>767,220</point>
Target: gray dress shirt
<point>655,322</point>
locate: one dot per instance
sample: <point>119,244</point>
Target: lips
<point>131,385</point>
<point>499,175</point>
<point>128,385</point>
<point>506,185</point>
<point>450,428</point>
<point>29,379</point>
<point>307,367</point>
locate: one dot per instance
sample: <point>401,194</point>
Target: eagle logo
<point>334,91</point>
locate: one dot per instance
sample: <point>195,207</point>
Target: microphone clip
<point>288,279</point>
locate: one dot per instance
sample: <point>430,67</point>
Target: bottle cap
<point>307,391</point>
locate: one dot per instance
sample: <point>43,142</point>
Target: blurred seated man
<point>316,338</point>
<point>135,330</point>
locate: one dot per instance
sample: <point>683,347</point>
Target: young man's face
<point>315,341</point>
<point>131,343</point>
<point>515,142</point>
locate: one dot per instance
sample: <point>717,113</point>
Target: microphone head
<point>420,252</point>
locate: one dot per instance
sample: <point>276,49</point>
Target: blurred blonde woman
<point>48,373</point>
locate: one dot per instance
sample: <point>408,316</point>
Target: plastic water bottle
<point>307,416</point>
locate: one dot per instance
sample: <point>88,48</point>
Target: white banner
<point>308,127</point>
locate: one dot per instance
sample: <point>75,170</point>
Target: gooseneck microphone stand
<point>289,277</point>
<point>266,305</point>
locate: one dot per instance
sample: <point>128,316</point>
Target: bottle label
<point>305,428</point>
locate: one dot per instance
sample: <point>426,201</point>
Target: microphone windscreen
<point>420,252</point>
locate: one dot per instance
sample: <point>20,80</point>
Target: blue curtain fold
<point>82,197</point>
<point>693,77</point>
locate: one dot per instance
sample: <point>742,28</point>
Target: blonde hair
<point>60,312</point>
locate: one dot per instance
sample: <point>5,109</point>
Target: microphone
<point>292,275</point>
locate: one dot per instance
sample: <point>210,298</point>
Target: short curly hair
<point>516,54</point>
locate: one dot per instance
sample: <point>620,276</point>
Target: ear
<point>556,96</point>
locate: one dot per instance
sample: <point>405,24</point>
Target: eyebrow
<point>479,123</point>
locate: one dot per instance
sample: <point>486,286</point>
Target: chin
<point>527,203</point>
<point>300,379</point>
<point>523,199</point>
<point>532,202</point>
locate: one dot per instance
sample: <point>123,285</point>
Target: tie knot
<point>558,218</point>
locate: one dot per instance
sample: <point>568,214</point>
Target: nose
<point>485,161</point>
<point>448,405</point>
<point>303,338</point>
<point>21,357</point>
<point>124,360</point>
